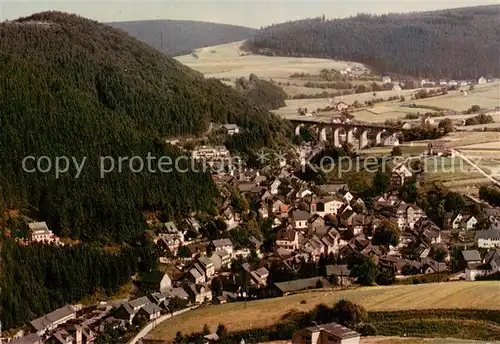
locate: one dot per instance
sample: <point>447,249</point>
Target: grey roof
<point>222,242</point>
<point>171,227</point>
<point>301,215</point>
<point>177,292</point>
<point>139,302</point>
<point>471,255</point>
<point>337,270</point>
<point>29,339</point>
<point>48,319</point>
<point>336,330</point>
<point>230,126</point>
<point>222,253</point>
<point>301,284</point>
<point>488,234</point>
<point>151,308</point>
<point>195,273</point>
<point>205,261</point>
<point>261,272</point>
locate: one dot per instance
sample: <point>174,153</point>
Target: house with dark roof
<point>288,239</point>
<point>32,338</point>
<point>340,273</point>
<point>50,321</point>
<point>290,287</point>
<point>223,244</point>
<point>149,312</point>
<point>331,333</point>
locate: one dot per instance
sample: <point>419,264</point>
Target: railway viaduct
<point>324,126</point>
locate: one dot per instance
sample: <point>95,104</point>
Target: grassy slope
<point>264,313</point>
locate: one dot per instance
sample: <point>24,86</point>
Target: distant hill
<point>456,43</point>
<point>179,37</point>
<point>77,88</point>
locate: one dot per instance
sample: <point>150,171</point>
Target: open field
<point>400,340</point>
<point>487,96</point>
<point>228,61</point>
<point>264,313</point>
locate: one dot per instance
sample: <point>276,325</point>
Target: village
<point>275,234</point>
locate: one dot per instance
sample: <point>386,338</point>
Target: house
<point>452,83</point>
<point>191,224</point>
<point>481,80</point>
<point>430,266</point>
<point>468,223</point>
<point>32,338</point>
<point>198,293</point>
<point>51,320</point>
<point>255,242</point>
<point>231,129</point>
<point>230,217</point>
<point>396,88</point>
<point>223,244</point>
<point>210,153</point>
<point>299,219</point>
<point>196,276</point>
<point>172,238</point>
<point>340,273</point>
<point>149,312</point>
<point>288,239</point>
<point>259,276</point>
<point>391,141</point>
<point>386,80</point>
<point>274,187</point>
<point>155,280</point>
<point>61,337</point>
<point>328,205</point>
<point>290,287</point>
<point>443,82</point>
<point>221,260</point>
<point>331,333</point>
<point>488,239</point>
<point>348,197</point>
<point>490,265</point>
<point>470,257</point>
<point>207,265</point>
<point>263,211</point>
<point>39,232</point>
<point>437,148</point>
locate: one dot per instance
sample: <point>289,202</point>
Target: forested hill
<point>76,88</point>
<point>179,37</point>
<point>457,43</point>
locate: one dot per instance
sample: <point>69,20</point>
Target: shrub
<point>303,302</point>
<point>366,329</point>
<point>348,313</point>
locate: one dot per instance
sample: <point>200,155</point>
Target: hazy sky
<point>253,13</point>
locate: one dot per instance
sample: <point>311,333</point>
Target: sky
<point>251,13</point>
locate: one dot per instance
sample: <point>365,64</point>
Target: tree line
<point>440,44</point>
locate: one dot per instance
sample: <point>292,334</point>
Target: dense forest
<point>456,43</point>
<point>263,93</point>
<point>180,37</point>
<point>76,88</point>
<point>39,278</point>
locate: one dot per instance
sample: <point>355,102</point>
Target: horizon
<point>225,12</point>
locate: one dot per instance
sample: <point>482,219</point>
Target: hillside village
<point>276,235</point>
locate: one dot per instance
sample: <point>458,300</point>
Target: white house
<point>40,232</point>
<point>299,219</point>
<point>488,239</point>
<point>481,80</point>
<point>330,205</point>
<point>348,197</point>
<point>274,186</point>
<point>231,129</point>
<point>386,80</point>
